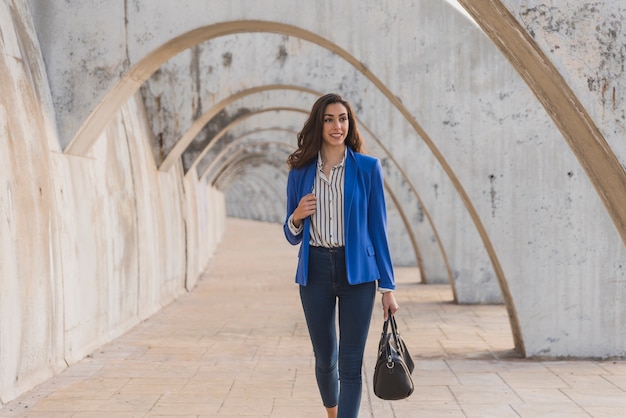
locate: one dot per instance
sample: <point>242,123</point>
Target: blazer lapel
<point>308,180</point>
<point>350,181</point>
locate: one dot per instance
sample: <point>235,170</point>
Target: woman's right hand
<point>306,207</point>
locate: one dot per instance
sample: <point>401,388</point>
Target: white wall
<point>90,245</point>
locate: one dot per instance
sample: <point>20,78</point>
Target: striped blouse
<point>327,222</point>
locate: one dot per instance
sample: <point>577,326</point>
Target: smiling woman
<point>335,130</point>
<point>341,226</point>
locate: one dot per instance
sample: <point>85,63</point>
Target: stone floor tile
<point>430,409</point>
<point>479,379</point>
<point>605,411</point>
<point>247,406</point>
<point>532,379</point>
<point>297,411</point>
<point>178,409</point>
<point>130,403</point>
<point>592,397</point>
<point>587,381</point>
<point>64,404</point>
<point>432,393</point>
<point>540,395</point>
<point>581,367</point>
<point>489,411</point>
<point>490,395</point>
<point>568,410</point>
<point>617,380</point>
<point>434,378</point>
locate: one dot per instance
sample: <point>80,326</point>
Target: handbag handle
<point>394,328</point>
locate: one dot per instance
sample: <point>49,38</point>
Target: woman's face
<point>336,125</point>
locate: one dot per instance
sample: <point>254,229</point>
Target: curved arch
<point>189,135</point>
<point>234,168</point>
<point>245,200</point>
<point>206,174</point>
<point>365,129</point>
<point>234,122</point>
<point>412,238</point>
<point>240,156</point>
<point>578,128</point>
<point>243,161</point>
<point>429,219</point>
<point>139,73</point>
<point>388,154</point>
<point>416,248</point>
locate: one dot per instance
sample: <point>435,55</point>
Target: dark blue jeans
<point>337,362</point>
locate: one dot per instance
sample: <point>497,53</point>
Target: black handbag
<point>392,375</point>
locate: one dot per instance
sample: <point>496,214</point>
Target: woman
<point>336,211</point>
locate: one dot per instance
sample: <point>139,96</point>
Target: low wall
<point>90,245</point>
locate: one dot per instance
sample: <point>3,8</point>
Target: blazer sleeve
<point>292,204</point>
<point>377,224</point>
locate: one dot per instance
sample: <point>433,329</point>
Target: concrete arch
<point>236,170</point>
<point>397,167</point>
<point>236,150</point>
<point>607,176</point>
<point>200,122</point>
<point>238,120</point>
<point>244,201</point>
<point>398,205</point>
<point>237,161</point>
<point>133,79</point>
<point>220,159</point>
<point>578,128</point>
<point>142,70</point>
<point>235,167</point>
<point>221,105</point>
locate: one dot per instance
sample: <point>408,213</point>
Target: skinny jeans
<point>337,361</point>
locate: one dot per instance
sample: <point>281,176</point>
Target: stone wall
<point>90,245</point>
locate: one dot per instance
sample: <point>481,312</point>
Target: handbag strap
<point>386,324</point>
<point>394,329</point>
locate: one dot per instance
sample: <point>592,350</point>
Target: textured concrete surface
<point>483,189</point>
<point>89,245</point>
<point>487,193</point>
<point>238,346</point>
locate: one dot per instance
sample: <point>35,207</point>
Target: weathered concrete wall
<point>586,41</point>
<point>584,282</point>
<point>498,204</point>
<point>496,201</point>
<point>90,245</point>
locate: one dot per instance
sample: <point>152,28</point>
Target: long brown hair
<point>310,137</point>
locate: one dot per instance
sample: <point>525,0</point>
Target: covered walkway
<point>237,346</point>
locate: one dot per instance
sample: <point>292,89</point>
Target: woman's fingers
<point>308,204</point>
<point>389,303</point>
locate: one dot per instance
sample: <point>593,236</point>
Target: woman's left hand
<point>389,302</point>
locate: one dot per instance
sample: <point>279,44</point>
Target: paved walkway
<point>237,346</point>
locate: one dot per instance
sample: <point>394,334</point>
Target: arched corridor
<point>130,131</point>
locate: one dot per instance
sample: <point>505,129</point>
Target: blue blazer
<point>365,220</point>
